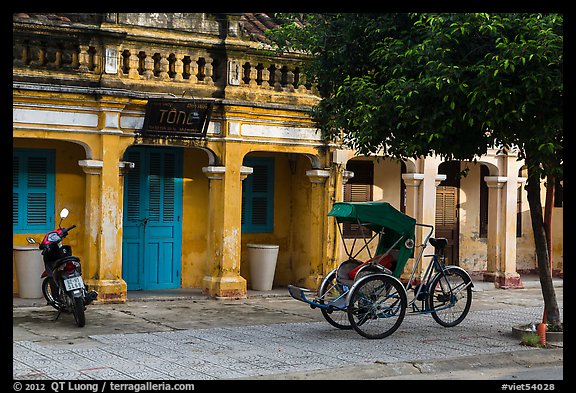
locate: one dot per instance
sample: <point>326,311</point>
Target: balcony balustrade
<point>190,66</point>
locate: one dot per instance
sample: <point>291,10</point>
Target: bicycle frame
<point>436,266</point>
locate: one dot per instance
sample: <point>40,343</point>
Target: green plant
<point>531,340</point>
<point>554,328</point>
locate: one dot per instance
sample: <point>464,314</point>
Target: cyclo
<point>368,296</point>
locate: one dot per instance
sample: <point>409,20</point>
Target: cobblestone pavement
<point>265,349</point>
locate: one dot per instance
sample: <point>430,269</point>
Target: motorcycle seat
<point>70,258</point>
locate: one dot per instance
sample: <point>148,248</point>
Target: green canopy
<point>376,216</point>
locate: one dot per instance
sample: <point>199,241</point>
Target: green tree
<point>455,85</point>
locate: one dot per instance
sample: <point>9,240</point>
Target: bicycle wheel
<point>451,297</point>
<point>329,291</point>
<point>377,306</point>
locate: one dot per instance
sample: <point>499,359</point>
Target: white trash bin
<point>262,259</point>
<point>29,269</point>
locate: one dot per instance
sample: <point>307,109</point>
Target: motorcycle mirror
<point>30,240</point>
<point>64,213</point>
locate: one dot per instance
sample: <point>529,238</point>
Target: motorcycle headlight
<point>53,238</point>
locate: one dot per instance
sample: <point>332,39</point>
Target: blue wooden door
<point>152,232</point>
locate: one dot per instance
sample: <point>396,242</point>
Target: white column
<point>412,182</point>
<point>494,239</point>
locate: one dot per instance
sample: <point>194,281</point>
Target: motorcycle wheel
<point>78,311</point>
<point>50,292</point>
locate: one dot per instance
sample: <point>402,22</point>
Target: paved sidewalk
<point>265,337</point>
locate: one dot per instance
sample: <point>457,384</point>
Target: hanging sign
<point>177,117</point>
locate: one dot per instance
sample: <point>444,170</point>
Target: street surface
<point>185,336</point>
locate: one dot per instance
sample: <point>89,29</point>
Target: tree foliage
<point>454,85</point>
<point>407,85</point>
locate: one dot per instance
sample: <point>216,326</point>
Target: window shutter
<point>358,189</point>
<point>154,187</point>
<point>32,190</point>
<point>445,206</point>
<point>260,187</point>
<point>15,190</point>
<point>169,187</point>
<point>133,187</point>
<point>37,198</point>
<point>258,196</point>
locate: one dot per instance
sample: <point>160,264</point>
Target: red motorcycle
<point>63,286</point>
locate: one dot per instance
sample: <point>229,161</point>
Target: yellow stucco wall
<point>472,248</point>
<point>194,217</point>
<point>558,243</point>
<point>291,220</point>
<point>70,191</point>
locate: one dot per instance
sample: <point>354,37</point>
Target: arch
<point>213,159</point>
<point>447,221</point>
<point>85,145</point>
<point>314,160</point>
<point>523,171</point>
<point>492,168</point>
<point>410,165</point>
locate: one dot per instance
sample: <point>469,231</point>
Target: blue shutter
<point>258,196</point>
<point>15,191</point>
<point>154,180</point>
<point>33,190</point>
<point>132,185</point>
<point>169,187</point>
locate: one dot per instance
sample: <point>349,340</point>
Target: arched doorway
<point>152,222</point>
<point>447,200</point>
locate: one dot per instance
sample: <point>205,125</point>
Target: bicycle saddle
<point>439,242</point>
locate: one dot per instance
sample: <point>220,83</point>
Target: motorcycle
<point>63,287</point>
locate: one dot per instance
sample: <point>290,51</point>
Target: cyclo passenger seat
<point>439,243</point>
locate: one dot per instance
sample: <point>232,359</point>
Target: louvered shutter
<point>358,189</point>
<point>132,185</point>
<point>258,196</point>
<point>445,206</point>
<point>154,184</point>
<point>260,201</point>
<point>15,190</point>
<point>168,191</point>
<point>32,190</point>
<point>37,187</point>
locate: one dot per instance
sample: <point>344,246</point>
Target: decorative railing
<point>192,66</point>
<point>55,54</point>
<point>202,68</point>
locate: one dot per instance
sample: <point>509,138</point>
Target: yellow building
<point>177,139</point>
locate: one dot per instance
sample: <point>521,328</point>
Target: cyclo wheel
<point>451,306</point>
<point>377,306</point>
<point>330,289</point>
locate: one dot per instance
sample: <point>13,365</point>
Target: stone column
<point>427,209</point>
<point>494,240</point>
<point>509,277</point>
<point>222,276</point>
<point>318,239</point>
<point>502,194</point>
<point>103,240</point>
<point>412,182</point>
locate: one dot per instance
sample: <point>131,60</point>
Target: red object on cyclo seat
<point>385,261</point>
